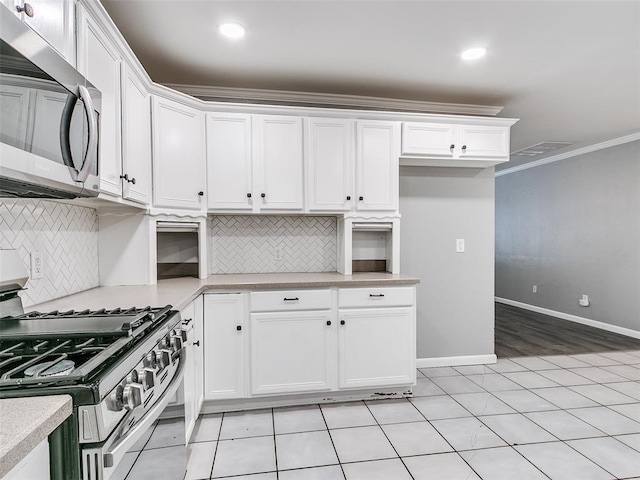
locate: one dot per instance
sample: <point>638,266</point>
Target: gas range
<point>121,367</point>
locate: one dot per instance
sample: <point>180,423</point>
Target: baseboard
<point>455,361</point>
<point>572,318</point>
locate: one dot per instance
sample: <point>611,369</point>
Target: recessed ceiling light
<point>474,53</point>
<point>232,30</point>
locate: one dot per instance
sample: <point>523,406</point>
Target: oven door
<point>153,447</point>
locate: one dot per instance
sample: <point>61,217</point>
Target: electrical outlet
<point>460,245</point>
<point>37,265</point>
<point>278,255</point>
<point>584,301</point>
<point>535,289</point>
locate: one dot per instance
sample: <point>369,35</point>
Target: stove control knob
<point>166,342</point>
<point>176,343</point>
<point>132,396</point>
<point>183,334</point>
<point>115,402</point>
<point>132,377</point>
<point>164,358</point>
<point>146,378</point>
<point>151,360</point>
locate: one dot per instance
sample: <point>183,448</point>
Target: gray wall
<point>456,294</point>
<point>573,227</point>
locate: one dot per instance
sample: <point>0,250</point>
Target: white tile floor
<point>557,417</point>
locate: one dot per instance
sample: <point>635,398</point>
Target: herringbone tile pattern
<point>247,244</point>
<point>66,235</point>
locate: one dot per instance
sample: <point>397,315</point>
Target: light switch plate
<point>460,245</point>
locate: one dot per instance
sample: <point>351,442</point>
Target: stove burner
<point>56,368</point>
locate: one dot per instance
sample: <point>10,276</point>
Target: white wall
<point>455,309</point>
<point>573,227</point>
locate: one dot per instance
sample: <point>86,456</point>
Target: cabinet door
<point>292,352</point>
<point>14,114</point>
<point>99,61</point>
<point>277,154</point>
<point>178,155</point>
<point>377,347</point>
<point>198,343</point>
<point>136,138</point>
<point>377,168</point>
<point>433,139</point>
<point>53,20</point>
<point>478,141</point>
<point>329,152</point>
<point>190,415</point>
<point>224,345</point>
<point>229,178</point>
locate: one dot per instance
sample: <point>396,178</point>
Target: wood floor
<point>521,332</point>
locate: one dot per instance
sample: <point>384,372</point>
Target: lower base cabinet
<point>279,343</point>
<point>376,347</point>
<point>192,321</point>
<point>292,352</point>
<point>225,339</point>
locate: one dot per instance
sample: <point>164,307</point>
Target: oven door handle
<point>115,452</point>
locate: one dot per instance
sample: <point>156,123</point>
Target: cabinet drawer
<point>376,297</point>
<point>284,300</point>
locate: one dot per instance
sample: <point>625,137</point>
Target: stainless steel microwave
<point>49,119</point>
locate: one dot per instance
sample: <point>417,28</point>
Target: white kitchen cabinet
<point>136,138</point>
<point>192,322</point>
<point>444,144</point>
<point>178,155</point>
<point>277,162</point>
<point>53,20</point>
<point>292,352</point>
<point>229,162</point>
<point>377,170</point>
<point>376,347</point>
<point>14,114</point>
<point>225,339</point>
<point>35,465</point>
<point>99,62</point>
<point>254,163</point>
<point>329,164</point>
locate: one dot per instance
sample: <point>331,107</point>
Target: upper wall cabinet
<point>329,164</point>
<point>377,165</point>
<point>453,145</point>
<point>277,167</point>
<point>98,60</point>
<point>178,155</point>
<point>53,20</point>
<point>254,162</point>
<point>229,162</point>
<point>136,138</point>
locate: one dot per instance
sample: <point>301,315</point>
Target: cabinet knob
<point>239,327</point>
<point>125,177</point>
<point>200,194</point>
<point>328,322</point>
<point>360,198</point>
<point>133,180</point>
<point>263,195</point>
<point>464,148</point>
<point>248,195</point>
<point>196,343</point>
<point>348,197</point>
<point>28,9</point>
<point>342,322</point>
<point>451,147</point>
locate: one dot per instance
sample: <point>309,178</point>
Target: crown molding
<point>252,95</point>
<point>574,153</point>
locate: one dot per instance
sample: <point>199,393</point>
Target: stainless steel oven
<point>121,367</point>
<point>49,119</point>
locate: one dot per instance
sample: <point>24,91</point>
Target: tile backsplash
<point>67,236</point>
<point>250,244</point>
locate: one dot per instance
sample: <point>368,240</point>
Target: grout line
<point>275,448</point>
<point>215,453</point>
<point>331,439</point>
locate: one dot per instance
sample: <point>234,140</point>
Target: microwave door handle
<point>90,156</point>
<point>65,129</point>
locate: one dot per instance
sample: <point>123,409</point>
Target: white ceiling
<point>569,70</point>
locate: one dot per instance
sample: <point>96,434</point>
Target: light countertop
<point>178,292</point>
<point>25,422</point>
